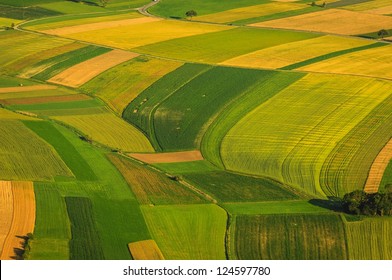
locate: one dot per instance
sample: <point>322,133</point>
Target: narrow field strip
<point>9,115</point>
<point>44,99</point>
<point>250,12</point>
<point>332,21</point>
<point>26,88</point>
<point>377,170</point>
<point>145,250</point>
<point>23,220</point>
<point>99,25</point>
<point>290,53</point>
<point>169,157</point>
<point>6,211</point>
<point>387,10</point>
<point>83,72</point>
<point>373,62</point>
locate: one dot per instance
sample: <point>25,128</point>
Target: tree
<point>191,13</point>
<point>104,2</point>
<point>382,33</point>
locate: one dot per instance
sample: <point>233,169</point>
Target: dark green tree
<point>382,33</point>
<point>191,13</point>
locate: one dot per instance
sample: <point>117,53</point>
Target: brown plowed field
<point>169,157</point>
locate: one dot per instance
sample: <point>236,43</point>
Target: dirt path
<point>23,219</point>
<point>169,157</point>
<point>378,168</point>
<point>26,88</point>
<point>144,10</point>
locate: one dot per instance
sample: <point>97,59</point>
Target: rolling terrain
<point>132,131</point>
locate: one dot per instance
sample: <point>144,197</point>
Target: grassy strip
<point>276,16</point>
<point>64,61</point>
<point>387,178</point>
<point>85,243</point>
<point>92,103</point>
<point>331,55</point>
<point>66,150</point>
<point>274,207</point>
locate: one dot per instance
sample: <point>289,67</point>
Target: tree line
<point>368,204</point>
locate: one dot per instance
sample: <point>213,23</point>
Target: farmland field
<point>342,106</point>
<point>188,231</point>
<point>195,130</point>
<point>289,237</point>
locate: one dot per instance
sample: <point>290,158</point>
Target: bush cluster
<point>368,204</point>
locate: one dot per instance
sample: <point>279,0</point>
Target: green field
<point>195,232</point>
<point>231,187</point>
<point>219,46</point>
<point>369,239</point>
<point>177,8</point>
<point>153,187</point>
<point>122,84</point>
<point>387,178</point>
<point>25,156</point>
<point>278,237</point>
<point>291,143</point>
<point>177,168</point>
<point>64,148</point>
<point>52,230</point>
<point>85,243</point>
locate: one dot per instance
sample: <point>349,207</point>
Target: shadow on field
<point>90,3</point>
<point>332,203</point>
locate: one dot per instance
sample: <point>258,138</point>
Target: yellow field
<point>374,62</point>
<point>6,210</point>
<point>369,5</point>
<point>251,12</point>
<point>387,10</point>
<point>109,130</point>
<point>8,115</point>
<point>6,22</point>
<point>99,25</point>
<point>378,168</point>
<point>23,218</point>
<point>290,53</point>
<point>145,250</point>
<point>81,73</point>
<point>83,21</point>
<point>146,33</point>
<point>26,88</point>
<point>332,21</point>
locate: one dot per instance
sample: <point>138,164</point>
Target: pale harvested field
<point>127,37</point>
<point>169,157</point>
<point>6,210</point>
<point>378,168</point>
<point>23,219</point>
<point>26,88</point>
<point>145,250</point>
<point>332,21</point>
<point>45,99</point>
<point>290,53</point>
<point>99,25</point>
<point>81,73</point>
<point>374,62</point>
<point>251,12</point>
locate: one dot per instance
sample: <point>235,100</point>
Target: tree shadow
<point>18,252</point>
<point>332,203</point>
<point>90,3</point>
